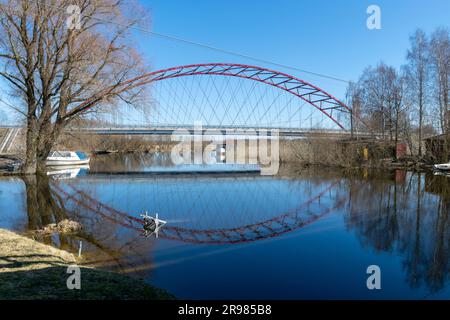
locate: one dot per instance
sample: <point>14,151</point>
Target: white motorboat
<point>67,158</point>
<point>443,166</point>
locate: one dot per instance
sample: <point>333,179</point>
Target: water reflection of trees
<point>101,241</point>
<point>43,207</point>
<point>392,212</point>
<point>410,216</point>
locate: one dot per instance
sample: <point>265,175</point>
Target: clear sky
<point>324,36</point>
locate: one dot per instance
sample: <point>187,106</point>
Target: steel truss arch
<point>313,95</point>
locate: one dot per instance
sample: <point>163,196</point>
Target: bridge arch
<point>307,92</point>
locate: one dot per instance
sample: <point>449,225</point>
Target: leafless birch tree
<point>417,77</point>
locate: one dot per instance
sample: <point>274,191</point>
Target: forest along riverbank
<point>31,270</point>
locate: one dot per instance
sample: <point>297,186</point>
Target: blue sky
<point>323,36</point>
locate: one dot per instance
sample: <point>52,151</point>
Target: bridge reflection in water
<point>389,215</point>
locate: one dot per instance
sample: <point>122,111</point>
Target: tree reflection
<point>103,245</point>
<point>407,218</point>
<point>43,206</point>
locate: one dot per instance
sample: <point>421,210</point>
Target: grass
<point>31,270</point>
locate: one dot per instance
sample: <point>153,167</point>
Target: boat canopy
<point>62,154</point>
<point>81,155</point>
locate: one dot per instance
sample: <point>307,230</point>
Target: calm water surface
<point>303,234</point>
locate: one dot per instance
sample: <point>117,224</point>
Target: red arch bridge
<point>225,95</point>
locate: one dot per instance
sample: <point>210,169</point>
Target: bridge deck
<point>245,131</point>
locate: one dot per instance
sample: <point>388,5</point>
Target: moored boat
<point>67,158</point>
<point>443,166</point>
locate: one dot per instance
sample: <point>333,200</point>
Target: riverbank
<point>31,270</point>
<point>348,154</point>
<point>364,154</point>
<point>10,164</point>
<point>11,167</point>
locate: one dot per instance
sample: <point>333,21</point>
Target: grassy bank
<point>31,270</point>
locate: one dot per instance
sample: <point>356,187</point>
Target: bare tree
<point>57,54</point>
<point>398,106</point>
<point>416,72</point>
<point>440,62</point>
<point>380,99</point>
<point>373,92</point>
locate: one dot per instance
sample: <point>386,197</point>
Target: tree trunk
<point>421,111</point>
<point>48,136</point>
<point>31,145</point>
<point>40,141</point>
<point>396,133</point>
<point>447,126</point>
<point>44,144</point>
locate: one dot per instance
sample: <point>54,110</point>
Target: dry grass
<point>22,254</point>
<point>332,153</point>
<point>31,270</point>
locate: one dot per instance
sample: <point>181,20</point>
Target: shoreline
<point>32,270</point>
<point>9,165</point>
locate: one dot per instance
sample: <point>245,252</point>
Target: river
<point>305,233</point>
